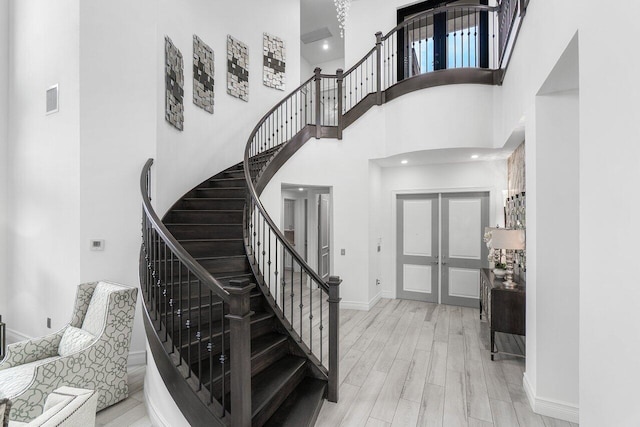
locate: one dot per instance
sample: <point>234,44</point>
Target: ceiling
<point>444,156</point>
<point>315,15</point>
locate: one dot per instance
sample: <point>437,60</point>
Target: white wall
<point>306,70</point>
<point>4,135</point>
<point>365,19</point>
<point>118,134</point>
<point>556,286</point>
<point>211,143</point>
<point>344,165</point>
<point>609,175</point>
<point>454,177</point>
<point>330,67</point>
<point>43,263</point>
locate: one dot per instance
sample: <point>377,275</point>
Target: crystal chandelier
<point>342,7</point>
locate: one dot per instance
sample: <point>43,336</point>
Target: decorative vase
<point>499,273</point>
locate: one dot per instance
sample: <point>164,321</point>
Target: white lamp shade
<point>502,238</point>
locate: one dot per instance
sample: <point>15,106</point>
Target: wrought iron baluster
<point>199,334</point>
<point>188,323</point>
<point>301,303</point>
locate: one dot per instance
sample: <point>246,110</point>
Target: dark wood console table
<point>504,308</point>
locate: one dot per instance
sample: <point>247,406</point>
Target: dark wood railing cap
<point>239,286</point>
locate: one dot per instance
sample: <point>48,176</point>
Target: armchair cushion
<point>66,407</point>
<point>95,319</point>
<point>73,340</point>
<point>15,379</point>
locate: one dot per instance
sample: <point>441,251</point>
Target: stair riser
<point>186,232</point>
<point>216,266</point>
<point>227,182</point>
<point>258,328</point>
<point>226,265</point>
<point>213,204</point>
<point>200,308</point>
<point>258,364</point>
<point>206,217</point>
<point>263,416</point>
<point>217,193</point>
<point>234,174</point>
<point>213,249</point>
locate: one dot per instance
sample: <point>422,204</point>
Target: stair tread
<point>227,239</point>
<point>204,258</point>
<point>268,383</point>
<point>206,329</point>
<point>259,346</point>
<point>213,198</point>
<point>206,210</point>
<point>302,406</point>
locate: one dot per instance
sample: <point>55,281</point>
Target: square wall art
<point>174,85</point>
<point>274,61</point>
<point>237,69</point>
<point>203,71</point>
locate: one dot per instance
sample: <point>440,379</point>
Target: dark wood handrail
<point>253,194</point>
<point>359,63</point>
<point>181,254</point>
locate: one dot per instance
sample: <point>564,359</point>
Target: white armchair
<point>90,352</point>
<point>66,407</point>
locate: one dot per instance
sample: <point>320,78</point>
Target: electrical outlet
<point>49,322</point>
<point>377,282</point>
<point>343,251</point>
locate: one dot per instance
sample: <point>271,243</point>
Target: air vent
<point>314,36</point>
<point>52,99</point>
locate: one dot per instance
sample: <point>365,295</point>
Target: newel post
<point>339,80</point>
<point>379,68</point>
<point>334,337</point>
<point>240,351</point>
<point>317,78</point>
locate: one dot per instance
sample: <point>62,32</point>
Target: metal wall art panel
<point>174,85</point>
<point>203,75</point>
<point>237,69</point>
<point>274,62</point>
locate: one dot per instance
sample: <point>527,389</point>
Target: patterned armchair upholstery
<point>90,352</point>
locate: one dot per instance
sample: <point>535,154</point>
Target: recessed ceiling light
<point>404,162</point>
<point>474,156</point>
<point>300,189</point>
<point>325,46</point>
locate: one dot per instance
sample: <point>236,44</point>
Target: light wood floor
<point>130,412</point>
<point>407,363</point>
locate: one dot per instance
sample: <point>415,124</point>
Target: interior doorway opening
<point>306,223</point>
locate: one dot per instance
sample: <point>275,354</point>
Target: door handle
<point>443,263</point>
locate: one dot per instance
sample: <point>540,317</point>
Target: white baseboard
<point>358,305</point>
<point>136,358</point>
<point>549,407</point>
<point>14,336</point>
<point>388,294</point>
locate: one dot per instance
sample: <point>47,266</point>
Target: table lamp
<point>503,238</point>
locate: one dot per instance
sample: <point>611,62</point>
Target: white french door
<point>440,250</point>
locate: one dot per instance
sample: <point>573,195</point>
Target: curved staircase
<point>243,331</point>
<point>208,223</point>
